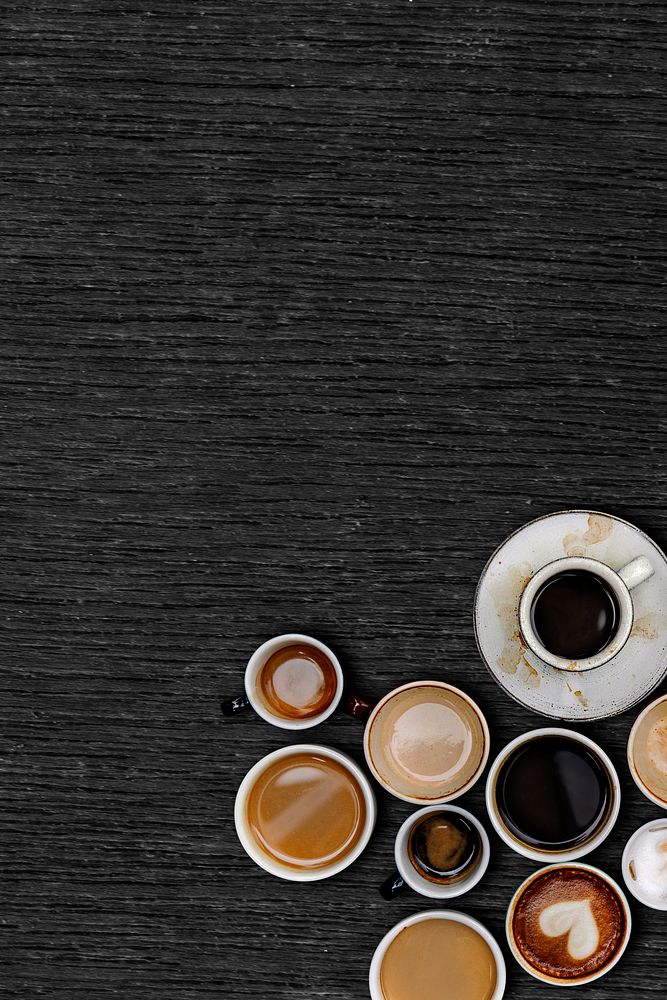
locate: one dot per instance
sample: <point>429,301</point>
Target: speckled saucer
<point>594,694</point>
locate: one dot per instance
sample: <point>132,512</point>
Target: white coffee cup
<point>621,582</point>
<point>629,861</point>
<point>553,980</point>
<point>374,978</point>
<point>527,850</point>
<point>407,873</point>
<point>256,662</point>
<point>270,864</point>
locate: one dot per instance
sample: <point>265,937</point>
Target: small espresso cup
<point>567,925</point>
<point>547,782</point>
<point>466,966</point>
<point>316,657</point>
<point>426,742</point>
<point>465,846</point>
<point>304,812</point>
<point>619,583</point>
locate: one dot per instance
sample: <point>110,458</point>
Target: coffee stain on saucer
<point>579,695</point>
<point>645,627</point>
<point>506,595</point>
<point>599,529</point>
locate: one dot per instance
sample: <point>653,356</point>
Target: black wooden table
<point>307,305</point>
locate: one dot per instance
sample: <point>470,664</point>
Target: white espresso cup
<point>547,855</point>
<point>375,974</point>
<point>269,862</point>
<point>407,873</point>
<point>253,698</point>
<point>620,582</point>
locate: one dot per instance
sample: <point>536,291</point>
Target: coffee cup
<point>304,812</point>
<point>426,742</point>
<point>440,852</point>
<point>434,954</point>
<point>553,795</point>
<point>643,865</point>
<point>292,681</point>
<point>577,613</point>
<point>567,925</point>
<point>647,751</point>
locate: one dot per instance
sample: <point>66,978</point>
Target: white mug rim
<point>546,856</point>
<point>553,981</point>
<point>422,885</point>
<point>621,591</point>
<point>257,661</point>
<point>457,917</point>
<point>273,867</point>
<point>660,822</point>
<point>644,789</point>
<point>441,799</point>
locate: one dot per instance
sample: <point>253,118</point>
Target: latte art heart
<point>575,919</point>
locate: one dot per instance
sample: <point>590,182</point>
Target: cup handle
<point>357,706</point>
<point>636,572</point>
<point>232,706</point>
<point>392,886</point>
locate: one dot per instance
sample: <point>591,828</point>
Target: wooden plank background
<point>306,306</point>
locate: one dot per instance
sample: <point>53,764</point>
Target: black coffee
<point>444,847</point>
<point>575,614</point>
<point>553,793</point>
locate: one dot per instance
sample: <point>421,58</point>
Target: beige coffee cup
<point>426,742</point>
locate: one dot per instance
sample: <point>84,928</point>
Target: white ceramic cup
<point>621,582</point>
<point>374,978</point>
<point>423,800</point>
<point>256,662</point>
<point>407,874</point>
<point>648,792</point>
<point>628,855</point>
<point>269,864</point>
<point>553,980</point>
<point>528,851</point>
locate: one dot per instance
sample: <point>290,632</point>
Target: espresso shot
<point>444,848</point>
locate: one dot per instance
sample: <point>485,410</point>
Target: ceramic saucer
<point>593,694</point>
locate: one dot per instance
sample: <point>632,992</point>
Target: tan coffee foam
<point>437,958</point>
<point>426,742</point>
<point>568,923</point>
<point>649,750</point>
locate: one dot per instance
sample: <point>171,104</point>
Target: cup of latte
<point>304,812</point>
<point>568,924</point>
<point>440,851</point>
<point>437,954</point>
<point>426,742</point>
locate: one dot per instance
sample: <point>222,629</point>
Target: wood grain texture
<point>306,306</point>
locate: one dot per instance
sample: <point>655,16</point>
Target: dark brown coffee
<point>444,847</point>
<point>297,682</point>
<point>553,793</point>
<point>575,614</point>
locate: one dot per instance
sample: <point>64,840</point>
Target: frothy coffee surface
<point>306,811</point>
<point>647,864</point>
<point>649,750</point>
<point>297,682</point>
<point>568,923</point>
<point>426,742</point>
<point>438,958</point>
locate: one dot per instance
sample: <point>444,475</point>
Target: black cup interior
<point>575,614</point>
